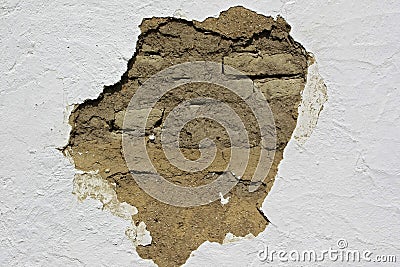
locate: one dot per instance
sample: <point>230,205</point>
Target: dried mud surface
<point>259,46</point>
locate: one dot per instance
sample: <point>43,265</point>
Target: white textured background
<point>343,183</point>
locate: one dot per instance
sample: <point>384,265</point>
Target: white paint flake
<point>91,184</point>
<point>224,200</point>
<point>313,97</point>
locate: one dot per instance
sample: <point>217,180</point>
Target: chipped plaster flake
<point>224,200</point>
<point>91,184</point>
<point>139,235</point>
<point>314,96</point>
<point>231,238</point>
<point>179,13</point>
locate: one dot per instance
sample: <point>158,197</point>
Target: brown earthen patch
<point>260,47</point>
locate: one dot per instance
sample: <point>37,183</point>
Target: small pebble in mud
<point>152,137</point>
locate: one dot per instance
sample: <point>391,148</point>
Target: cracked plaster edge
<point>231,238</point>
<point>313,98</point>
<point>91,184</point>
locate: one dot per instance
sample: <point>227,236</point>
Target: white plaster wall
<point>343,183</point>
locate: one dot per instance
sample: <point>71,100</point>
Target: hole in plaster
<point>258,46</point>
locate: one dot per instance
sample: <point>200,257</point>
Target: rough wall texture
<point>258,46</point>
<point>342,183</point>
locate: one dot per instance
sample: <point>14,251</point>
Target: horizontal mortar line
<point>267,76</point>
<point>244,76</point>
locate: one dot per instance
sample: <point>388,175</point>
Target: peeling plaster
<point>224,201</point>
<point>91,184</point>
<point>231,238</point>
<point>313,98</point>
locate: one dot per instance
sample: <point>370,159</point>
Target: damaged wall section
<point>256,45</point>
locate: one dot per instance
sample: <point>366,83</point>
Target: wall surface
<point>343,183</point>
